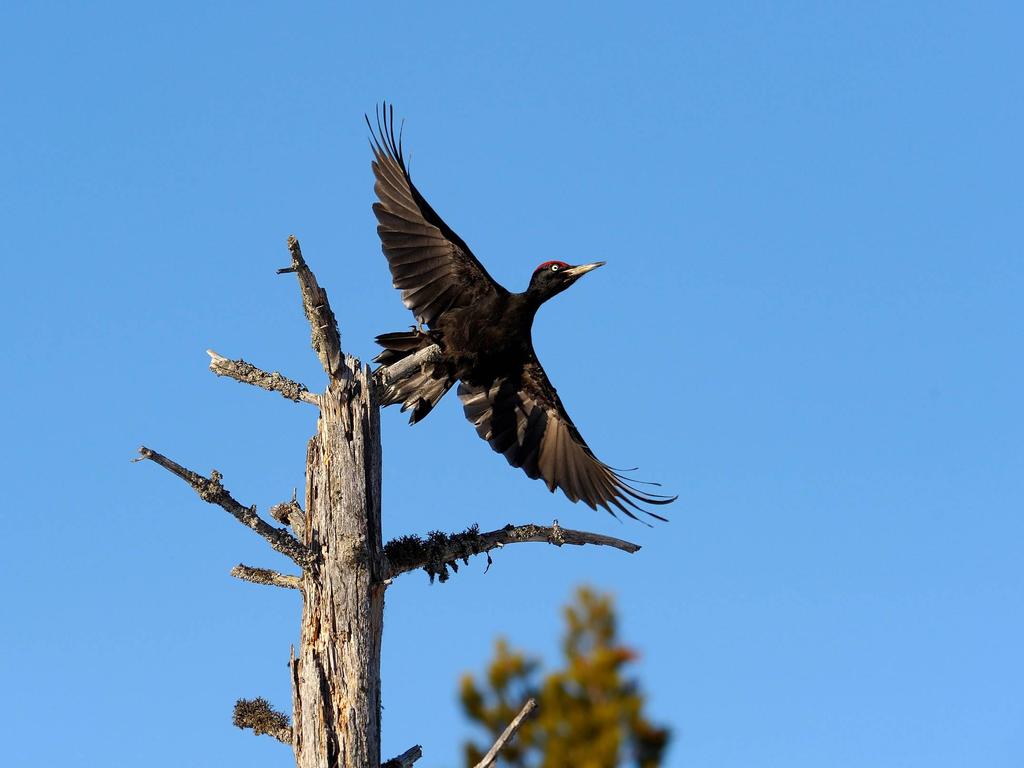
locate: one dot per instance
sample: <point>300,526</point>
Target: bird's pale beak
<point>582,269</point>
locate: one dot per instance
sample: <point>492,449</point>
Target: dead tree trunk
<point>336,541</point>
<point>336,694</point>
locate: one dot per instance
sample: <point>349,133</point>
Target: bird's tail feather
<point>422,388</point>
<point>398,346</point>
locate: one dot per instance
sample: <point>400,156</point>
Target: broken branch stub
<point>324,334</point>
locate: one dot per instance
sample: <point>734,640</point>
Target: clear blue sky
<point>809,327</point>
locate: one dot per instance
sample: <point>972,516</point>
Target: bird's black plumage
<point>484,332</point>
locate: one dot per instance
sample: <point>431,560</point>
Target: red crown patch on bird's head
<point>554,266</point>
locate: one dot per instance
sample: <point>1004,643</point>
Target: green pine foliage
<point>589,713</point>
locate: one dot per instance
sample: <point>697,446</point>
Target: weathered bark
<point>337,677</point>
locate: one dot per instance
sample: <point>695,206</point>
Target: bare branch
<point>262,718</point>
<point>441,551</point>
<point>211,490</point>
<point>247,373</point>
<point>323,326</point>
<point>405,759</point>
<point>509,732</point>
<point>265,576</point>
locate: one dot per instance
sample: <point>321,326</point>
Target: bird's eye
<point>554,267</point>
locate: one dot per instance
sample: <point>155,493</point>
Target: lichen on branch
<point>258,715</point>
<point>441,551</point>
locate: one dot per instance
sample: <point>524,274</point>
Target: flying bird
<point>484,335</point>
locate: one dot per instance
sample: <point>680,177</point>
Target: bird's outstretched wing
<point>430,264</point>
<point>525,420</point>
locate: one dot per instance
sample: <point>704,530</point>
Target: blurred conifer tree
<point>589,712</point>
